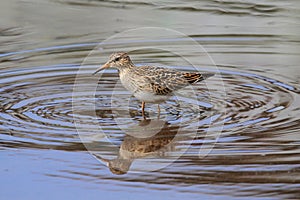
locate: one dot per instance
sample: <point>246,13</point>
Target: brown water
<point>235,136</point>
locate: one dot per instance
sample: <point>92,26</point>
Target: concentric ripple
<point>37,106</point>
<point>36,112</point>
<point>233,136</point>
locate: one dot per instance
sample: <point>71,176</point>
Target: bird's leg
<point>143,108</point>
<point>158,109</point>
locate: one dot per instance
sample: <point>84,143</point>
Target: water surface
<point>246,117</point>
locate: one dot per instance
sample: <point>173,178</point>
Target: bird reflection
<point>134,146</point>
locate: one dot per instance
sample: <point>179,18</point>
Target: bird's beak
<point>106,65</point>
<point>106,161</point>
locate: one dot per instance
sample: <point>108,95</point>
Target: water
<point>244,142</point>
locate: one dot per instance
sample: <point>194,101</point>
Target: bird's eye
<point>117,59</point>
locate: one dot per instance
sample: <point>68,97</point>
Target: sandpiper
<point>150,84</point>
<point>160,144</point>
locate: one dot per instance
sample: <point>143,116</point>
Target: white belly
<point>127,83</point>
<point>150,97</point>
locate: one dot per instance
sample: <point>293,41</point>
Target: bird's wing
<point>159,89</point>
<point>163,81</point>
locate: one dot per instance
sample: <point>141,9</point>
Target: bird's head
<point>116,60</point>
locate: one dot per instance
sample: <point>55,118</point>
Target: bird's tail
<point>207,75</point>
<point>197,77</point>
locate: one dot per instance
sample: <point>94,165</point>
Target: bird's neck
<point>126,67</point>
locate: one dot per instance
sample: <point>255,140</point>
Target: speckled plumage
<point>151,84</point>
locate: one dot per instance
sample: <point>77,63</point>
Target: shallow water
<point>235,135</point>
